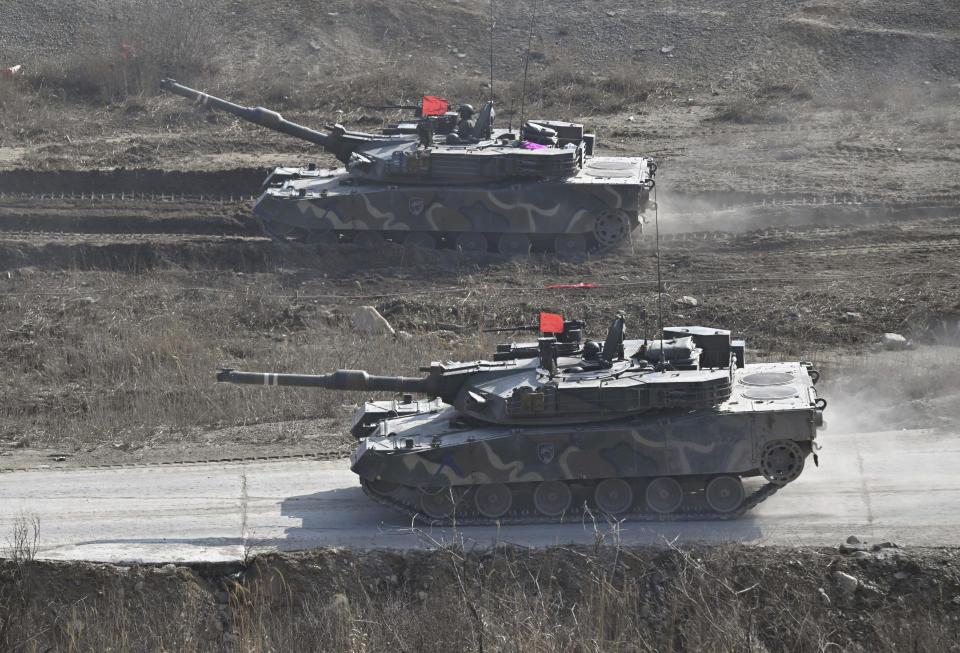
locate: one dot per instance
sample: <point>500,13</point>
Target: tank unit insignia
<point>546,452</point>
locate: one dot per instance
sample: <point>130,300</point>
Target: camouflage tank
<point>540,188</point>
<point>636,429</point>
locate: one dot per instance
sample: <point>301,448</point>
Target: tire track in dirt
<point>128,215</point>
<point>112,251</point>
<point>101,238</point>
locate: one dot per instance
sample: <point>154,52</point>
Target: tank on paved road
<point>665,428</point>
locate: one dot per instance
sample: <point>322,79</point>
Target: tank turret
<point>537,189</point>
<point>610,381</point>
<point>399,158</point>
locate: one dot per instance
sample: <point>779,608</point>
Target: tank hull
<point>331,206</point>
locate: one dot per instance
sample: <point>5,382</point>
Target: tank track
<point>526,514</point>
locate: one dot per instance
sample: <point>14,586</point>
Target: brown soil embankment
<point>855,598</point>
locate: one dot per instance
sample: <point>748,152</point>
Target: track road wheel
<point>322,237</point>
<point>420,239</point>
<point>664,495</point>
<point>513,244</point>
<point>611,228</point>
<point>368,239</point>
<point>552,498</point>
<point>613,496</point>
<point>438,504</point>
<point>570,245</point>
<point>724,493</point>
<point>781,461</point>
<point>472,242</point>
<point>383,488</point>
<point>493,501</point>
<point>281,233</point>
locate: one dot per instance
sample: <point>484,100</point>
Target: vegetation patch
<point>448,597</point>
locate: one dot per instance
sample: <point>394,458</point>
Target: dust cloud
<point>684,214</point>
<point>893,390</point>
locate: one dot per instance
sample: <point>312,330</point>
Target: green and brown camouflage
<point>537,189</point>
<point>639,429</point>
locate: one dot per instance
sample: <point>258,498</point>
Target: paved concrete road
<point>899,485</point>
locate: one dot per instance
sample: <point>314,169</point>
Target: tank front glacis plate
<point>535,207</point>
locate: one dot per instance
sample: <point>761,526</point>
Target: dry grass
<point>558,88</point>
<point>124,353</point>
<point>167,38</point>
<point>750,111</point>
<point>14,106</point>
<point>607,598</point>
<point>17,582</point>
<point>131,359</point>
<point>572,91</point>
<point>166,48</point>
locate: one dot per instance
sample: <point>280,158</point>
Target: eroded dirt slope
<point>856,597</point>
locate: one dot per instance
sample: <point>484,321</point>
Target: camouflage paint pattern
<point>424,451</point>
<point>540,209</point>
<point>689,430</point>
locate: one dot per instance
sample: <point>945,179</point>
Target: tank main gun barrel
<point>257,115</point>
<point>351,380</point>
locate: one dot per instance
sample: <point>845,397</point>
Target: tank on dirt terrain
<point>538,188</point>
<point>638,429</point>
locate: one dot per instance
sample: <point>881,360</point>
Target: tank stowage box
<point>561,427</point>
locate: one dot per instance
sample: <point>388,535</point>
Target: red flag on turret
<point>551,323</point>
<point>434,106</point>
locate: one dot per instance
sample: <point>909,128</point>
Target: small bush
<point>14,105</point>
<point>749,112</point>
<point>567,89</point>
<point>781,91</point>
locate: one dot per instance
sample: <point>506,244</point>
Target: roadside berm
<point>857,597</point>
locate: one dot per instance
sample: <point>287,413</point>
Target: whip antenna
<point>526,64</point>
<point>656,225</point>
<point>491,50</point>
